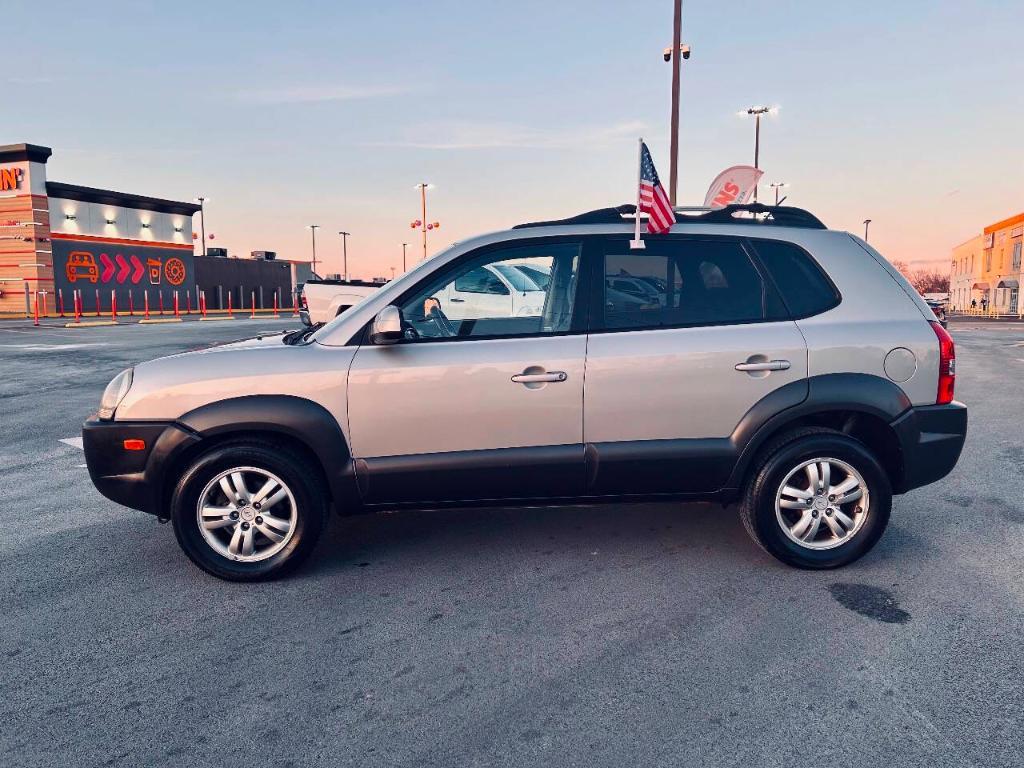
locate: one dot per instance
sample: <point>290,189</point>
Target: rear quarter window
<point>803,284</point>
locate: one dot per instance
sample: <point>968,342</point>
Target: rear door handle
<point>457,301</point>
<point>540,378</point>
<point>767,365</point>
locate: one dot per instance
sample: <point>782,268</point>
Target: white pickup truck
<point>494,290</point>
<point>322,300</point>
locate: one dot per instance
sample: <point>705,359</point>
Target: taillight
<point>947,365</point>
<point>302,301</point>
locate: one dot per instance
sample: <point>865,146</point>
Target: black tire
<point>306,487</point>
<point>775,463</point>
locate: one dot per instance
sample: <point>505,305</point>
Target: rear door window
<point>683,282</point>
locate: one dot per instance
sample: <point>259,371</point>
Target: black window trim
<point>580,310</point>
<point>597,284</point>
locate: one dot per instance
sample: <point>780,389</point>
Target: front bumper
<point>931,439</point>
<point>132,478</point>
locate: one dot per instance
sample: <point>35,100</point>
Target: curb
<point>154,321</point>
<point>91,324</point>
<point>208,319</point>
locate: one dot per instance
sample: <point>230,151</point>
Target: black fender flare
<point>298,418</point>
<point>852,392</point>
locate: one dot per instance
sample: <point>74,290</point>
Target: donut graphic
<point>174,270</point>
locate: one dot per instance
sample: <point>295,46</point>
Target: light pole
<point>757,112</point>
<point>674,54</point>
<point>313,228</point>
<point>202,219</point>
<point>867,223</point>
<point>344,252</point>
<point>777,185</point>
<point>404,268</point>
<point>423,186</point>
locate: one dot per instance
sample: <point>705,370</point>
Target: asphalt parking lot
<point>594,636</point>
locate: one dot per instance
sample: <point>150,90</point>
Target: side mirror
<point>387,326</point>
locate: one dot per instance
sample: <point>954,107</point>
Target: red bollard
<point>202,303</point>
<point>145,295</point>
<point>275,305</point>
<point>161,302</point>
<point>295,304</point>
<point>188,302</point>
<point>131,304</point>
<point>75,299</point>
<point>113,305</point>
<point>252,306</point>
<point>44,304</point>
<point>176,304</point>
<point>60,300</point>
<point>97,302</point>
<point>230,314</point>
<point>35,310</point>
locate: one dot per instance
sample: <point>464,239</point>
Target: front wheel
<point>818,500</point>
<point>248,511</point>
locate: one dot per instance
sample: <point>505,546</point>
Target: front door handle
<point>540,378</point>
<point>767,365</point>
<point>457,301</point>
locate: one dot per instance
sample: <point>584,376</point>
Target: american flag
<point>653,200</point>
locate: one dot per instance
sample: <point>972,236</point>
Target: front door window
<point>521,291</point>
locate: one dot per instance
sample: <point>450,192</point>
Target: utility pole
<point>867,223</point>
<point>313,228</point>
<point>757,112</point>
<point>422,223</point>
<point>777,185</point>
<point>344,253</point>
<point>677,33</point>
<point>202,219</point>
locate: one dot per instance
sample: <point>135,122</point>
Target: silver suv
<point>749,355</point>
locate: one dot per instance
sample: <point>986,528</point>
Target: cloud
<point>472,135</point>
<point>310,94</point>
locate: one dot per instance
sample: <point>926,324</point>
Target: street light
<point>757,112</point>
<point>404,268</point>
<point>422,224</point>
<point>344,252</point>
<point>313,228</point>
<point>202,219</point>
<point>684,53</point>
<point>777,185</point>
<point>867,223</point>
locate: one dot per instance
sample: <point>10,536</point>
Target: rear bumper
<point>132,478</point>
<point>931,439</point>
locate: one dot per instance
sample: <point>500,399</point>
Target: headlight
<point>114,394</point>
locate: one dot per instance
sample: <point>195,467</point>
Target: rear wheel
<point>248,511</point>
<point>818,500</point>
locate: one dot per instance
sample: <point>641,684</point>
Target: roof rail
<point>777,215</point>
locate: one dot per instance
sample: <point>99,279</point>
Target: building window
<point>1016,255</point>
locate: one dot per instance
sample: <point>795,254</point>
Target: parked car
<point>780,365</point>
<point>938,309</point>
<point>322,300</point>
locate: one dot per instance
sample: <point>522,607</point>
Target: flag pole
<point>636,243</point>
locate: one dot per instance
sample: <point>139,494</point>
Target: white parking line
<point>74,442</point>
<point>53,347</point>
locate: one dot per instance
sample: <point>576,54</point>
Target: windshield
<point>516,277</point>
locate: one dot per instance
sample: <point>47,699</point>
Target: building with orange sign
<point>63,245</point>
<point>987,268</point>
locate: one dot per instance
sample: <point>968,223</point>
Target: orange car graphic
<point>81,266</point>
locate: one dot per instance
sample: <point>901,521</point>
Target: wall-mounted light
<point>178,228</point>
<point>146,225</point>
<point>111,221</point>
<point>70,217</point>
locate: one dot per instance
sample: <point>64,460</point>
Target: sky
<point>329,113</point>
